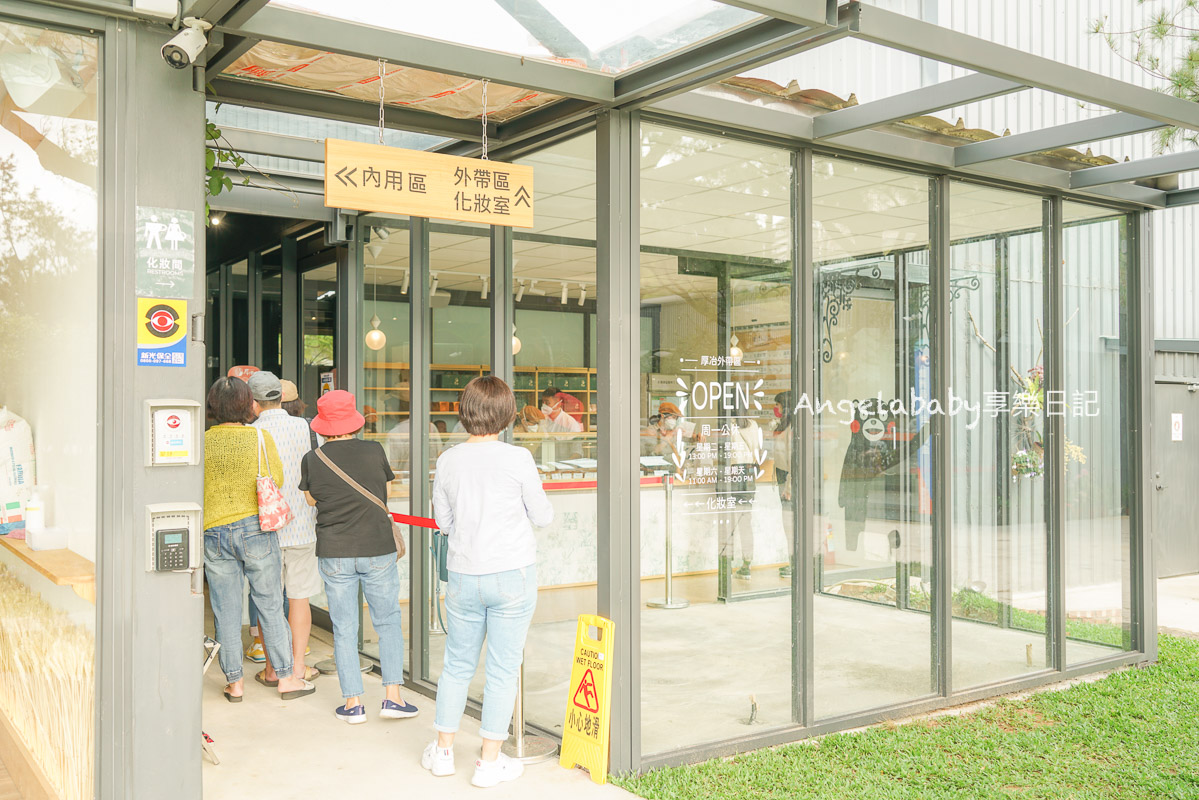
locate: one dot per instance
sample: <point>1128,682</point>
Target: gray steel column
<point>420,336</point>
<point>225,273</point>
<point>502,306</point>
<point>1140,353</point>
<point>804,472</point>
<point>149,624</point>
<point>1055,508</point>
<point>350,343</point>
<point>619,353</point>
<point>940,344</point>
<point>254,308</point>
<point>293,310</point>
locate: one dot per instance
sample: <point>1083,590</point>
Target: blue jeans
<point>380,581</point>
<point>232,554</point>
<point>254,610</point>
<point>498,607</point>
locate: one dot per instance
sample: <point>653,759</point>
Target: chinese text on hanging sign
<point>371,177</point>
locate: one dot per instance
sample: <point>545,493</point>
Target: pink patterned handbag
<point>273,511</point>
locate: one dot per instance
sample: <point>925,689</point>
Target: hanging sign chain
<point>382,70</point>
<point>484,119</point>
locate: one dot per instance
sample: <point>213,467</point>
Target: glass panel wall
<point>997,332</point>
<point>873,479</point>
<point>716,283</point>
<point>1098,488</point>
<point>557,384</point>
<point>49,410</point>
<point>386,385</point>
<point>459,259</point>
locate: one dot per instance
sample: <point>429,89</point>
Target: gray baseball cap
<point>265,386</point>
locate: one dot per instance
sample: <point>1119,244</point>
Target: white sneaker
<point>491,773</point>
<point>438,760</point>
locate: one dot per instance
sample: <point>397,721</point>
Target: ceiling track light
<point>404,285</point>
<point>381,233</point>
<point>433,290</point>
<point>486,286</point>
<point>565,289</point>
<point>582,295</point>
<point>520,291</point>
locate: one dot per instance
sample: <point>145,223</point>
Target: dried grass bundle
<point>47,686</point>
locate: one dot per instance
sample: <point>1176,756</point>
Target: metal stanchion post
<point>527,749</point>
<point>668,601</point>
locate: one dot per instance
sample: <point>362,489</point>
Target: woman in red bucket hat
<point>354,547</point>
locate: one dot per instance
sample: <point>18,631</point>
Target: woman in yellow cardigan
<point>235,548</point>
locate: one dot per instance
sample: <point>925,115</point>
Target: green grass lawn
<point>1134,734</point>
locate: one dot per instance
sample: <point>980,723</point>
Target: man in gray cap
<point>297,539</point>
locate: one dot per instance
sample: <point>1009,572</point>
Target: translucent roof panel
<point>612,36</point>
<point>851,67</point>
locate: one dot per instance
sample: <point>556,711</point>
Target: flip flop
<point>232,698</point>
<point>260,677</point>
<point>311,673</point>
<point>297,693</point>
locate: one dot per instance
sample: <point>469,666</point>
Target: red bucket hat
<point>336,414</point>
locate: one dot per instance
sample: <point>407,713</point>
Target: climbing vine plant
<point>221,159</point>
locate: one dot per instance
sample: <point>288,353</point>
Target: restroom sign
<point>586,730</point>
<point>378,178</point>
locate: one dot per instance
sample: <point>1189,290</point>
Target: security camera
<point>186,46</point>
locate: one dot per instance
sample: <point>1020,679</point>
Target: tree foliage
<point>1165,46</point>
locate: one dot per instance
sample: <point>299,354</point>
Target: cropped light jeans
<point>380,580</point>
<point>233,553</point>
<point>496,607</point>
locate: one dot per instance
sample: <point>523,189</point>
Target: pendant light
<point>735,351</point>
<point>515,342</point>
<point>375,338</point>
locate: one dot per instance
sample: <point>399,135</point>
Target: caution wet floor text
<point>585,733</point>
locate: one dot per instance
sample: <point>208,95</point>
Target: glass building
<point>861,397</point>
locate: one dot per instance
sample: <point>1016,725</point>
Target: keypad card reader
<point>170,549</point>
<point>174,536</point>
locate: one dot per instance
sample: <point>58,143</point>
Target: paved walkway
<point>1178,605</point>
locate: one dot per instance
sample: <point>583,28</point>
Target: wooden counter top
<point>60,567</point>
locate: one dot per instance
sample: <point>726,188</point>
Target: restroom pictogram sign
<point>586,697</point>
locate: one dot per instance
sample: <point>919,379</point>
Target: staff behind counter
<point>563,411</point>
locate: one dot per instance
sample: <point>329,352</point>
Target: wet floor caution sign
<point>585,733</point>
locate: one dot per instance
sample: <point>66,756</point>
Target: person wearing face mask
<point>661,437</point>
<point>781,441</point>
<point>560,412</point>
<point>531,425</point>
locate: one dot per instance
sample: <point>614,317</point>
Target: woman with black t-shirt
<point>354,546</point>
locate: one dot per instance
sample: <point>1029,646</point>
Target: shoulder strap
<point>339,472</point>
<point>261,450</point>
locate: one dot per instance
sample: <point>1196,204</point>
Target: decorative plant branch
<point>219,159</point>
<point>1026,411</point>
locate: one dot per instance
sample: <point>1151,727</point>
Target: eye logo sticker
<point>161,334</point>
<point>162,321</point>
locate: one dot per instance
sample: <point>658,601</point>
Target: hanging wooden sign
<point>378,178</point>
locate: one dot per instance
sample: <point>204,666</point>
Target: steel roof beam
<point>1141,169</point>
<point>277,145</point>
<point>719,58</point>
<point>362,41</point>
<point>959,91</point>
<point>929,40</point>
<point>1182,197</point>
<point>1110,126</point>
<point>721,109</point>
<point>257,94</point>
<point>810,13</point>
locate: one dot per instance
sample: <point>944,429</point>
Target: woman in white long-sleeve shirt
<point>487,496</point>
